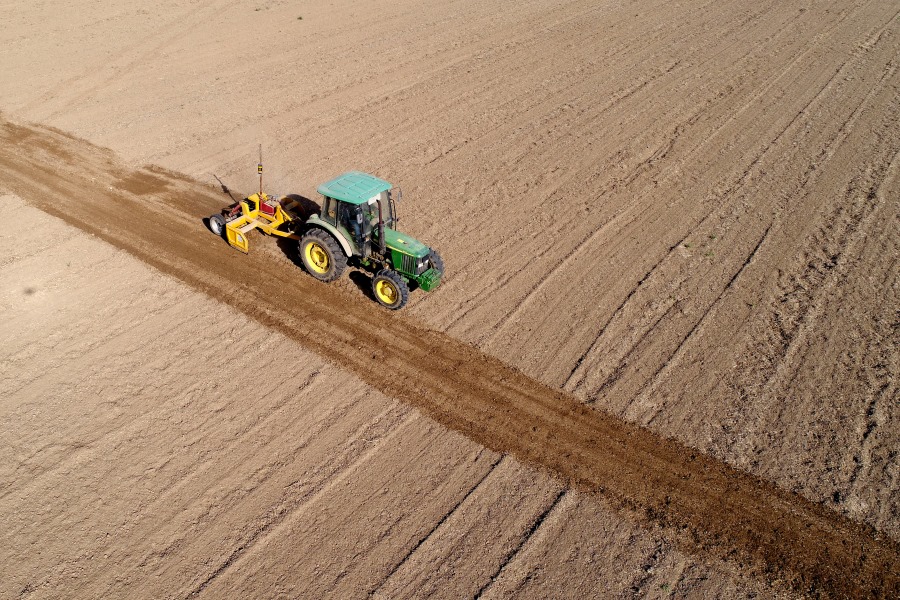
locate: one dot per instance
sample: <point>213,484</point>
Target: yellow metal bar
<point>237,239</point>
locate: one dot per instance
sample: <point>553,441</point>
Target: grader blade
<point>237,236</point>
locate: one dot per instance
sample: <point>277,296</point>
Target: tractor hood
<point>405,243</point>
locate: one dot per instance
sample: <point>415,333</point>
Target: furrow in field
<point>674,282</point>
<point>86,86</point>
<point>377,505</point>
<point>607,175</point>
<point>776,367</point>
<point>529,533</point>
<point>837,227</point>
<point>470,544</point>
<point>565,560</point>
<point>770,327</point>
<point>268,528</point>
<point>521,271</point>
<point>648,227</point>
<point>147,475</point>
<point>431,532</point>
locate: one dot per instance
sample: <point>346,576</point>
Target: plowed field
<point>671,232</point>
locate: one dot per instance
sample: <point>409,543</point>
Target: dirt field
<point>682,214</point>
<point>159,444</point>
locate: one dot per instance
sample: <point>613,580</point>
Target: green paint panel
<point>404,243</point>
<point>354,187</point>
<point>429,280</point>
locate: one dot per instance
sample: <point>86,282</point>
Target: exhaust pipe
<point>381,245</point>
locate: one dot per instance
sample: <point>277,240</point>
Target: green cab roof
<point>354,187</point>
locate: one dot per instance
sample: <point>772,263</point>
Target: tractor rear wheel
<point>322,256</point>
<point>389,289</point>
<point>217,224</point>
<point>436,261</point>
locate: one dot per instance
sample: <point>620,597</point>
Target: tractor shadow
<point>205,221</point>
<point>291,250</point>
<point>307,207</point>
<point>364,282</point>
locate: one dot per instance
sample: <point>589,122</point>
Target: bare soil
<point>157,443</point>
<point>705,504</point>
<point>683,215</point>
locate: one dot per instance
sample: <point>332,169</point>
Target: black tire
<point>321,255</point>
<point>436,261</point>
<point>389,289</point>
<point>217,225</point>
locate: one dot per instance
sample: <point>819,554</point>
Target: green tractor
<point>358,222</point>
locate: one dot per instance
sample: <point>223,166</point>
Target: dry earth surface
<point>157,443</point>
<point>681,213</point>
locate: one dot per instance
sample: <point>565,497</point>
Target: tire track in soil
<point>651,562</point>
<point>645,168</point>
<point>771,365</point>
<point>121,63</point>
<point>627,214</point>
<point>703,504</point>
<point>75,453</point>
<point>526,536</point>
<point>273,521</point>
<point>872,39</point>
<point>494,464</point>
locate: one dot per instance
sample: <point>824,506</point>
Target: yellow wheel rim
<point>387,292</point>
<point>316,257</point>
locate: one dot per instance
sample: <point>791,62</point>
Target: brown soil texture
<point>705,503</point>
<point>138,462</point>
<point>682,214</point>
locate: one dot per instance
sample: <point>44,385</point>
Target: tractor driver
<point>370,214</point>
<point>353,221</point>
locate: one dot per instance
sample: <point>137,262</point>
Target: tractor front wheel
<point>322,256</point>
<point>436,261</point>
<point>217,224</point>
<point>389,289</point>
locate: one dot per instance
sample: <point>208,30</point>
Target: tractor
<point>357,225</point>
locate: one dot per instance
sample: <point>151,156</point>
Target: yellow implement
<point>258,211</point>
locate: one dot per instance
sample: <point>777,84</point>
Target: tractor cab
<point>359,221</point>
<point>361,207</point>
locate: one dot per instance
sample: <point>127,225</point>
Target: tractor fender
<point>315,221</point>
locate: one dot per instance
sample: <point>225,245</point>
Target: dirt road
<point>704,503</point>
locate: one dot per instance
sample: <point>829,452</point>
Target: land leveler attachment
<point>257,211</point>
<point>278,217</point>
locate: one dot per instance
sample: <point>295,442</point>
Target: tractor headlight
<point>421,266</point>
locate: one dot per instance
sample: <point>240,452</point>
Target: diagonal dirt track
<point>705,504</point>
